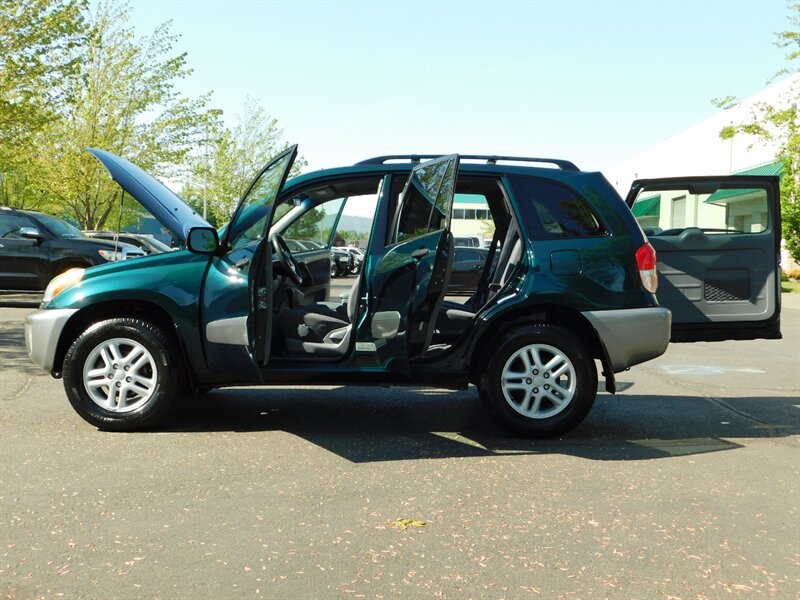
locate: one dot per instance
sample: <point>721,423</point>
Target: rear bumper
<point>632,336</point>
<point>42,331</point>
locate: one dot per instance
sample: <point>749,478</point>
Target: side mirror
<point>31,233</point>
<point>202,240</point>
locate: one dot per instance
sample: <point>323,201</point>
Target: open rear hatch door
<point>717,241</point>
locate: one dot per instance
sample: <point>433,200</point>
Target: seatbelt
<point>483,283</point>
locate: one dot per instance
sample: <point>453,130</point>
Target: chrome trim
<point>633,335</point>
<point>43,331</point>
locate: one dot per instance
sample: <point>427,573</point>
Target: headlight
<point>111,256</point>
<point>61,282</point>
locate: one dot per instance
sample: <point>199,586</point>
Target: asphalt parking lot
<point>684,485</point>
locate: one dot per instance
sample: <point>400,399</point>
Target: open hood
<point>164,204</point>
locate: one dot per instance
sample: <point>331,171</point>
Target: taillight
<point>646,261</point>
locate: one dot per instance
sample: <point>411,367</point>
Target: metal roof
<point>730,195</point>
<point>769,169</point>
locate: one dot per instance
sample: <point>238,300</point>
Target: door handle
<point>420,253</point>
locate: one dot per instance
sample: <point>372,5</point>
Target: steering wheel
<point>288,262</point>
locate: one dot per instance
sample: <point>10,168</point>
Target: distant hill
<point>353,223</point>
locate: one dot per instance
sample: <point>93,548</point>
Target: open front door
<point>407,284</point>
<point>717,241</point>
<point>236,304</point>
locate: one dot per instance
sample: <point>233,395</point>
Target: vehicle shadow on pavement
<point>382,424</point>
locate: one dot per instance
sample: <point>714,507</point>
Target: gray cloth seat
<point>322,328</point>
<point>454,318</point>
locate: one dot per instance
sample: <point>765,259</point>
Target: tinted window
<point>552,210</point>
<point>249,222</point>
<point>11,224</point>
<point>426,200</point>
<point>59,227</point>
<point>462,254</point>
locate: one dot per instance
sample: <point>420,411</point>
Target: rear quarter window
<point>552,210</point>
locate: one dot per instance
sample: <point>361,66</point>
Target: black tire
<point>532,410</point>
<point>152,363</point>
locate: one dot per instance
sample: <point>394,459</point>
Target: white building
<point>470,217</point>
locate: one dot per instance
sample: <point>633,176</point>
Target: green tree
<point>781,123</point>
<point>38,49</point>
<point>38,38</point>
<point>227,159</point>
<point>120,98</point>
<point>487,228</point>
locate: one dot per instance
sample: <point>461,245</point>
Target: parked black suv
<point>35,247</point>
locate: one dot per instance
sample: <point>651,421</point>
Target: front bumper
<point>632,336</point>
<point>42,332</point>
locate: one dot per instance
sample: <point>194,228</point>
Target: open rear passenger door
<point>407,284</point>
<point>717,241</point>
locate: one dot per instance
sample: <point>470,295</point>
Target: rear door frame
<point>718,328</point>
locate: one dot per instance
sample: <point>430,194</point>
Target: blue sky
<point>594,82</point>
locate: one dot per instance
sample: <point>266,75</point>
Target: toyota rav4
<point>568,288</point>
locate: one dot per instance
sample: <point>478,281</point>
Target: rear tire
<point>123,375</point>
<point>540,381</point>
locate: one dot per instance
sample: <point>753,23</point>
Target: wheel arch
<point>142,309</point>
<point>557,314</point>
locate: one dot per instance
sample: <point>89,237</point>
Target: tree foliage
<point>228,158</point>
<point>780,123</point>
<point>38,40</point>
<point>123,101</point>
<point>116,92</point>
<point>38,49</point>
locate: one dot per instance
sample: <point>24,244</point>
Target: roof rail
<point>564,165</point>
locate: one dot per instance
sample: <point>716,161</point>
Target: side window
<point>555,211</point>
<point>343,220</point>
<point>313,230</point>
<point>462,255</point>
<point>11,224</point>
<point>724,210</point>
<point>425,203</point>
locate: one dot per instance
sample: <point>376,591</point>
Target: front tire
<point>540,381</point>
<point>122,375</point>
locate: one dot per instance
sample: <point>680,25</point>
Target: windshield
<point>59,227</point>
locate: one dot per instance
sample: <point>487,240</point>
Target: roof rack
<point>564,165</point>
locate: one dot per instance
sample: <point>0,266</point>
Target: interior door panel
<point>717,242</point>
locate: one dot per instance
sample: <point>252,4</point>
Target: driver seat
<point>321,329</point>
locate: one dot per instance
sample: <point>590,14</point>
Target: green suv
<point>568,287</point>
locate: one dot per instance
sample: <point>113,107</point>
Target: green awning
<point>770,169</point>
<point>647,207</point>
<point>730,195</point>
